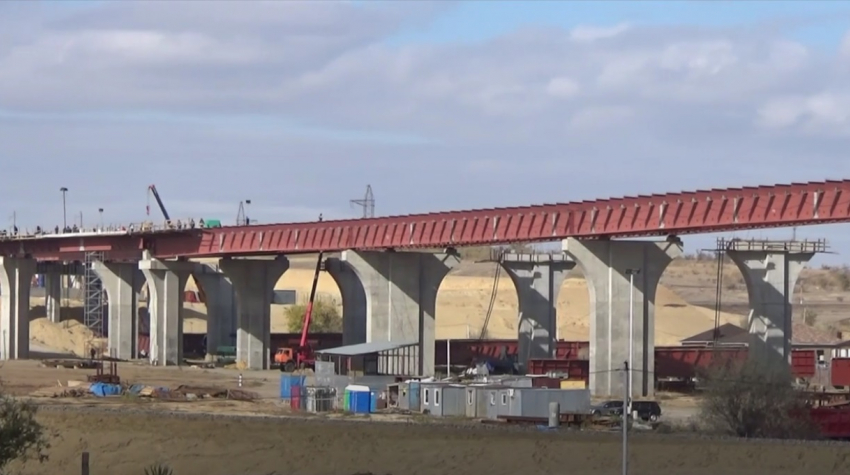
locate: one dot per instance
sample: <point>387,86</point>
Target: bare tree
<point>22,437</point>
<point>753,399</point>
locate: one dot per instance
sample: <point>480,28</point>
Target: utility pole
<point>64,209</point>
<point>367,203</point>
<point>631,273</point>
<point>625,421</point>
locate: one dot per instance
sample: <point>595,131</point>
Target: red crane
<point>302,356</point>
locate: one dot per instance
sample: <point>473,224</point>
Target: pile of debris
<point>180,393</point>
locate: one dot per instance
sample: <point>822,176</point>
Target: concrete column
<point>15,282</point>
<point>221,306</point>
<point>166,282</point>
<point>354,320</point>
<point>538,279</point>
<point>53,296</point>
<point>401,298</point>
<point>254,281</point>
<point>605,265</point>
<point>770,278</point>
<point>121,281</point>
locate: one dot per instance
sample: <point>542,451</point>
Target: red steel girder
<point>703,211</point>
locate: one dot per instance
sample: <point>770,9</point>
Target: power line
<point>367,203</point>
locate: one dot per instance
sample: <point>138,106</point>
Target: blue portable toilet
<point>361,398</point>
<point>287,382</point>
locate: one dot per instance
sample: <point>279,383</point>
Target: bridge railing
<point>178,224</point>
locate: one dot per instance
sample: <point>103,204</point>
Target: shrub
<point>325,318</point>
<point>753,399</point>
<point>22,437</point>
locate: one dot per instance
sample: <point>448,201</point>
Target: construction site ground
<point>211,437</point>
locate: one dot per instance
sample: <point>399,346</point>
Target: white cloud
<point>824,112</point>
<point>562,87</point>
<point>601,117</point>
<point>589,34</point>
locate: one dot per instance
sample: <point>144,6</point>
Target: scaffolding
<point>94,298</point>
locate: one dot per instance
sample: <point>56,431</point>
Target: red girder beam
<point>703,211</point>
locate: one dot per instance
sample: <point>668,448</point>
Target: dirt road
<point>127,442</point>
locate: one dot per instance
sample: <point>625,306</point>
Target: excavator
<point>301,356</point>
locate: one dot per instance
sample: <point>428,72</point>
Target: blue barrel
<point>287,382</point>
<point>360,402</point>
<point>374,395</point>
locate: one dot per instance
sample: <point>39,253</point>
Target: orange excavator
<point>301,356</point>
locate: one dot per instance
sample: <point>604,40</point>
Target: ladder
<point>94,296</point>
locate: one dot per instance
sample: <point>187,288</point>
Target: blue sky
<point>299,105</point>
<point>819,23</point>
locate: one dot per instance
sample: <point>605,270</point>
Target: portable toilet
<point>361,399</point>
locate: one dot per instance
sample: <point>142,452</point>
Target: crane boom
<point>308,313</point>
<point>152,191</point>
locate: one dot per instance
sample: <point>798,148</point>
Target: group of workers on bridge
<point>147,226</point>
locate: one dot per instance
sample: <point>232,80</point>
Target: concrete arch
<point>609,267</point>
<point>391,296</point>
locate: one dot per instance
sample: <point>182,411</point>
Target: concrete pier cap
<point>770,270</point>
<point>608,267</point>
<point>537,278</point>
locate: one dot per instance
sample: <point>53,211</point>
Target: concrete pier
<point>538,279</point>
<point>770,270</point>
<point>166,282</point>
<point>15,282</point>
<point>606,266</point>
<point>354,321</point>
<point>254,281</point>
<point>122,282</point>
<point>400,296</point>
<point>221,306</point>
<point>53,296</point>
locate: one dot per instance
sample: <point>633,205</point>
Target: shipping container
<point>442,399</point>
<point>684,362</point>
<point>532,402</point>
<point>834,422</point>
<point>803,363</point>
<point>840,372</point>
<point>482,401</point>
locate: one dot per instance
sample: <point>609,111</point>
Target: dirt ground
<point>127,442</point>
<point>212,437</point>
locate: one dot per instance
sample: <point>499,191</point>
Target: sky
<point>297,106</point>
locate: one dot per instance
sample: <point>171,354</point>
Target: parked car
<point>647,410</point>
<point>607,408</point>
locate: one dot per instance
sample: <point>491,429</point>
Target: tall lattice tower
<point>367,203</point>
<point>94,302</point>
